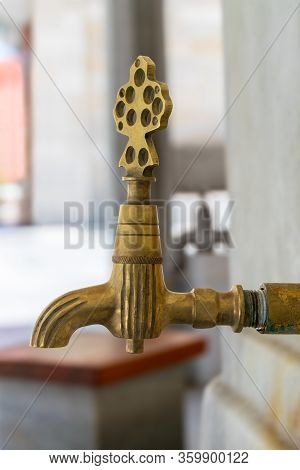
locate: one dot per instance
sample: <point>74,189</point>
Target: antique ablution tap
<point>135,303</point>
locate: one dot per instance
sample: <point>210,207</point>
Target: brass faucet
<point>135,303</point>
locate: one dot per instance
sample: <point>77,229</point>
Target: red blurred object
<point>12,122</point>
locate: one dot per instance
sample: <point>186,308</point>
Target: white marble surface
<point>230,421</point>
<point>255,402</point>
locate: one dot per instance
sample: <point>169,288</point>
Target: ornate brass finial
<point>143,107</point>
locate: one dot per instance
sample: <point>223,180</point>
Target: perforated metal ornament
<point>143,106</point>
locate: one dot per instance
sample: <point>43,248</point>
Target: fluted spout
<point>76,309</point>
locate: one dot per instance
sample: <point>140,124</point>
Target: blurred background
<point>226,188</point>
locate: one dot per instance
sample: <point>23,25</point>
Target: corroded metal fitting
<point>274,308</point>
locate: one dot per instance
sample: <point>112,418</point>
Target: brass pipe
<point>135,303</point>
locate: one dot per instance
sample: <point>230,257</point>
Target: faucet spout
<point>76,309</point>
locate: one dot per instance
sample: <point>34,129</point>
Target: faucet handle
<point>143,107</point>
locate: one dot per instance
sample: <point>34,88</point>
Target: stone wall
<point>255,401</point>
